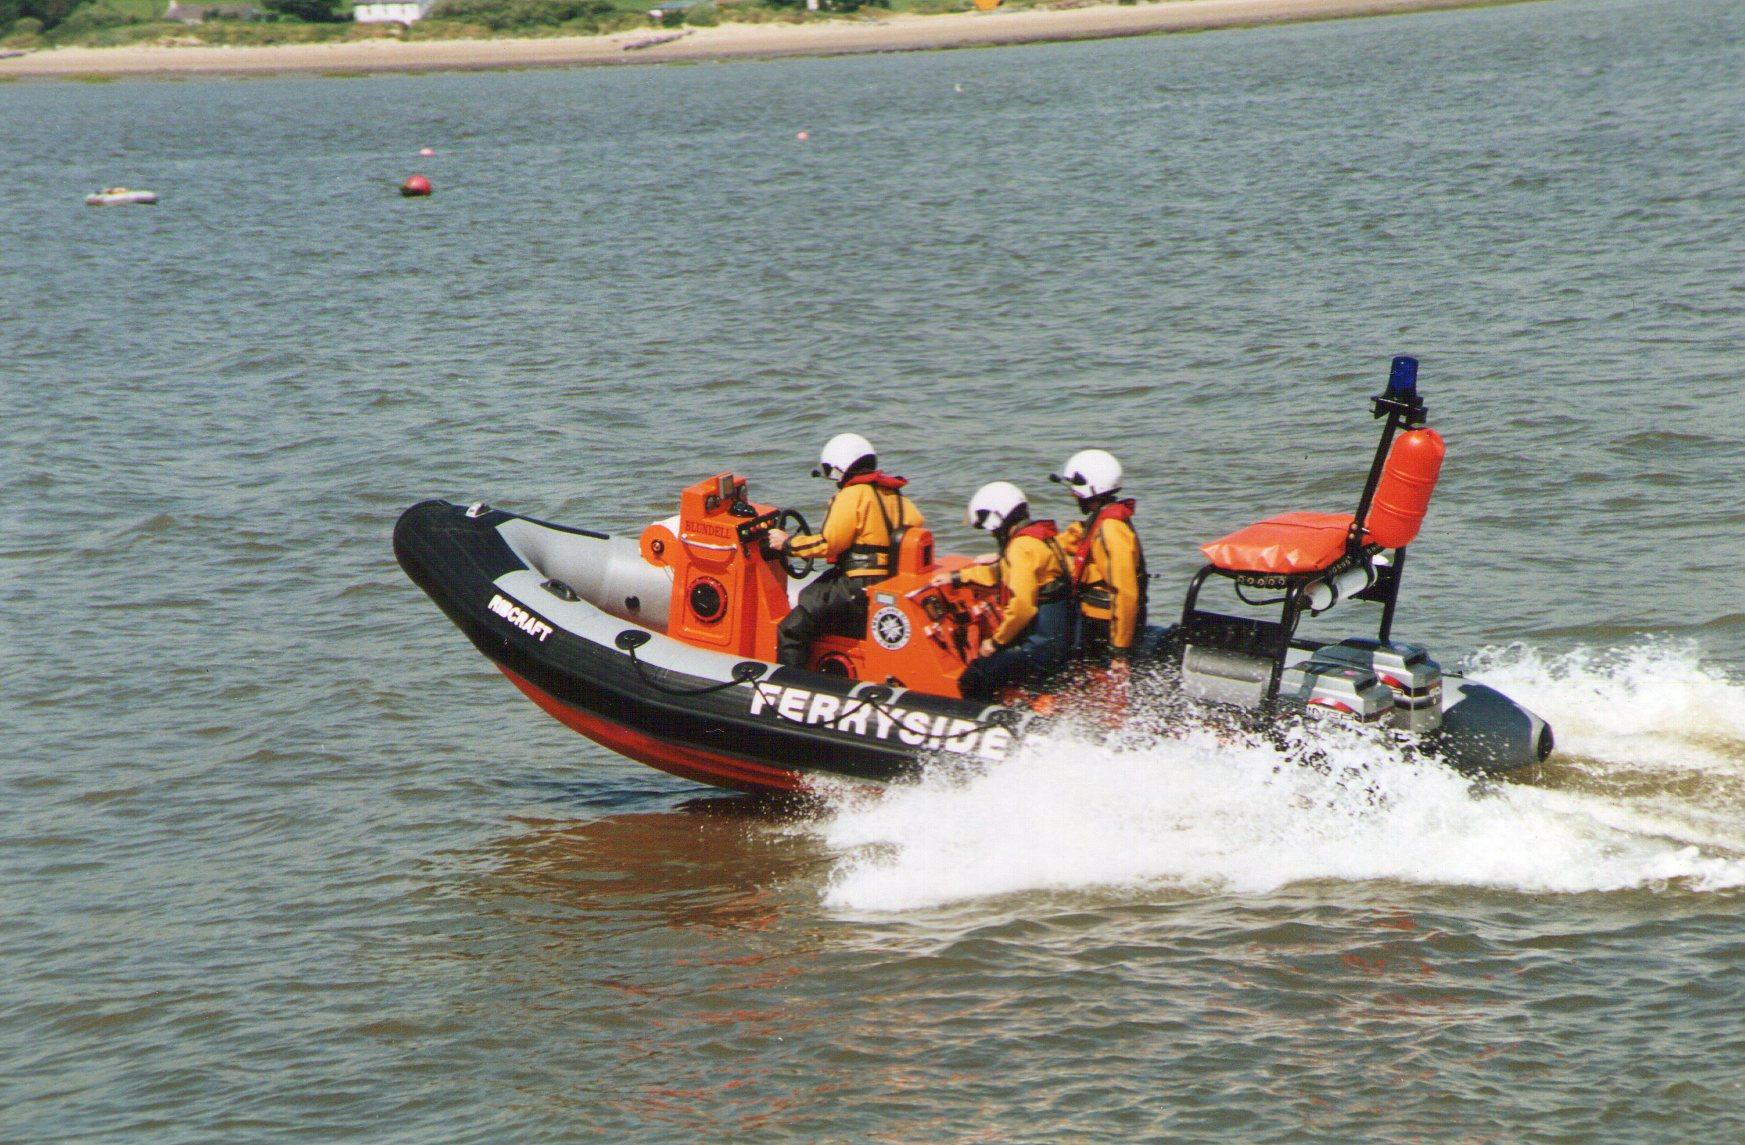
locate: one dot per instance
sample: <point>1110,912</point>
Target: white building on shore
<point>395,12</point>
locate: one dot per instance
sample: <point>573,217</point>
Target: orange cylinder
<point>659,544</point>
<point>1403,493</point>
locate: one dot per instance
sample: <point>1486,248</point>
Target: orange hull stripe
<point>691,763</point>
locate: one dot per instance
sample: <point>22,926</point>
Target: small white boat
<point>119,196</point>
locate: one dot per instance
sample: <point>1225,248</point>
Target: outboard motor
<point>1330,688</point>
<point>1405,671</point>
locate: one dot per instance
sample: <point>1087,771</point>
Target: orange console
<point>916,635</point>
<point>729,593</point>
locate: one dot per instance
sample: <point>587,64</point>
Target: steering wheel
<point>798,569</point>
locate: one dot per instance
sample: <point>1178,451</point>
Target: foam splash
<point>1196,813</point>
<point>1652,706</point>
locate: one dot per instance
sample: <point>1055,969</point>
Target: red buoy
<point>415,185</point>
<point>1403,493</point>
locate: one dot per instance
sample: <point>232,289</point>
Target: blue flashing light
<point>1403,378</point>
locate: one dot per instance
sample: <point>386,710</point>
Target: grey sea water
<point>282,857</point>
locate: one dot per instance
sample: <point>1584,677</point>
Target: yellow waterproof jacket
<point>1033,571</point>
<point>858,528</point>
<point>1111,579</point>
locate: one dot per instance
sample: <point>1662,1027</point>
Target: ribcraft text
<point>519,617</point>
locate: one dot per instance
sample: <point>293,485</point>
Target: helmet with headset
<point>1090,473</point>
<point>997,505</point>
<point>845,455</point>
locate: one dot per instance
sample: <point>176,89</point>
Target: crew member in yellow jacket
<point>1108,562</point>
<point>862,529</point>
<point>1035,632</point>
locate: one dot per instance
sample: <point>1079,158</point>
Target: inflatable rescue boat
<point>661,646</point>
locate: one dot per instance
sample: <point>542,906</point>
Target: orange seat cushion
<point>1288,543</point>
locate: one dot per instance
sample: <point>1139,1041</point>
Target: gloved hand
<point>776,539</point>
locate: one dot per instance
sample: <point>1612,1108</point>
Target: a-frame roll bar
<point>1402,406</point>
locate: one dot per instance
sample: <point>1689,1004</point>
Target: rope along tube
<point>742,674</point>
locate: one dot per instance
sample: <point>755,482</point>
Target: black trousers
<point>1094,639</point>
<point>1042,648</point>
<point>1095,644</point>
<point>829,601</point>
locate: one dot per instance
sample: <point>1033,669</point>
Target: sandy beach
<point>902,33</point>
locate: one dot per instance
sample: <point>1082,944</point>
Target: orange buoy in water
<point>427,152</point>
<point>1403,494</point>
<point>415,186</point>
<point>802,136</point>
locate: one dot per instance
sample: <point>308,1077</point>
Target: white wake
<point>1654,706</point>
<point>1199,814</point>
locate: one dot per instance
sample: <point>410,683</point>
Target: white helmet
<point>1090,473</point>
<point>842,453</point>
<point>995,505</point>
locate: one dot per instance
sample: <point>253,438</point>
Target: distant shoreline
<point>901,33</point>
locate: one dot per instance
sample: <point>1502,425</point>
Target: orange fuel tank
<point>1403,494</point>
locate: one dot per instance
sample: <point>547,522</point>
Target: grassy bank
<point>114,23</point>
<point>752,31</point>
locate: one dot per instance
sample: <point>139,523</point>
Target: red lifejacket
<point>857,559</point>
<point>1113,511</point>
<point>1041,530</point>
<point>1060,588</point>
<point>876,477</point>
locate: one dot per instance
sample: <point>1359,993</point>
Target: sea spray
<point>1651,705</point>
<point>1649,730</point>
<point>1202,812</point>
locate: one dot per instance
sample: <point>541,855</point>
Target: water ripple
<point>283,857</point>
